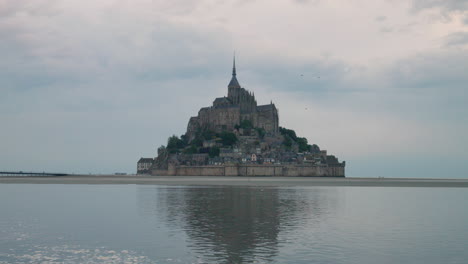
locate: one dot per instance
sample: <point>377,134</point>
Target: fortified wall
<point>254,170</point>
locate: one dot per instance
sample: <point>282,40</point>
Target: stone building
<point>144,165</point>
<point>228,112</point>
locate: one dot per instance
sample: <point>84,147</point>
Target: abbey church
<point>237,137</point>
<point>239,105</point>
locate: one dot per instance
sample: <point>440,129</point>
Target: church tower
<point>234,86</point>
<point>240,96</point>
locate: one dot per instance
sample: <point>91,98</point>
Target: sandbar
<point>239,181</point>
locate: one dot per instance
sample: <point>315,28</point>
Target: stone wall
<point>227,112</point>
<point>267,118</point>
<point>243,98</point>
<point>313,171</point>
<point>217,119</point>
<point>253,170</point>
<point>199,170</point>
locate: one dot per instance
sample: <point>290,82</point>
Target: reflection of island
<point>235,224</point>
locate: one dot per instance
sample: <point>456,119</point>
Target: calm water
<point>162,224</point>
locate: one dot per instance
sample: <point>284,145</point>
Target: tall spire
<point>234,83</point>
<point>234,65</point>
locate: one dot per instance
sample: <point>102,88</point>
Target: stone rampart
<point>254,170</point>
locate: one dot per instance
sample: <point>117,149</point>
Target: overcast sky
<point>92,86</point>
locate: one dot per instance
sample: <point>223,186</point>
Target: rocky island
<point>237,137</point>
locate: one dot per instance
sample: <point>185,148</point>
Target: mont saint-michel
<point>237,137</point>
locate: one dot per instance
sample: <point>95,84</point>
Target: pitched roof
<point>145,160</point>
<point>267,107</point>
<point>234,83</point>
<point>221,100</point>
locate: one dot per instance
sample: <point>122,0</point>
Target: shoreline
<point>236,181</point>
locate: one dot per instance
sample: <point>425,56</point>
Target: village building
<point>144,165</point>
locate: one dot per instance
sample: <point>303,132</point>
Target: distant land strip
<point>22,173</point>
<point>240,181</point>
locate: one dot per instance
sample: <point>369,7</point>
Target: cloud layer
<point>93,86</point>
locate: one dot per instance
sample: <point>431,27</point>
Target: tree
<point>228,138</point>
<point>174,144</point>
<point>208,134</point>
<point>246,124</point>
<point>213,152</point>
<point>314,148</point>
<point>197,142</point>
<point>289,132</point>
<point>185,139</point>
<point>161,150</point>
<point>191,150</point>
<point>261,132</point>
<point>302,143</point>
<point>287,141</point>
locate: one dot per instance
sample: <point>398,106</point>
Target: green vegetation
<point>191,150</point>
<point>208,134</point>
<point>287,142</point>
<point>213,152</point>
<point>302,143</point>
<point>181,145</point>
<point>228,138</point>
<point>314,149</point>
<point>184,139</point>
<point>290,137</point>
<point>198,142</point>
<point>288,132</point>
<point>244,124</point>
<point>174,143</point>
<point>161,150</point>
<point>261,132</point>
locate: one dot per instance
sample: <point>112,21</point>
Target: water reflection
<point>233,224</point>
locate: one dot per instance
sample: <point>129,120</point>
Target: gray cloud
<point>35,8</point>
<point>443,70</point>
<point>93,88</point>
<point>37,55</point>
<point>380,18</point>
<point>386,29</point>
<point>85,86</point>
<point>465,19</point>
<point>444,5</point>
<point>430,86</point>
<point>314,2</point>
<point>457,39</point>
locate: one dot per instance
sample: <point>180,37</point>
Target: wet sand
<point>242,181</point>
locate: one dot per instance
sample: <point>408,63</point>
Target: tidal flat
<point>239,181</point>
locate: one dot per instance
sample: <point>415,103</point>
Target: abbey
<point>227,112</point>
<point>237,137</point>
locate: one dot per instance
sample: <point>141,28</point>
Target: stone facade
<point>228,112</point>
<point>337,170</point>
<point>144,165</point>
